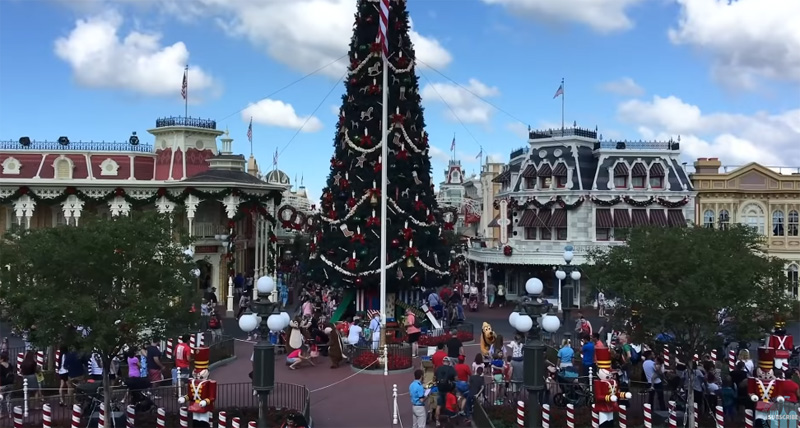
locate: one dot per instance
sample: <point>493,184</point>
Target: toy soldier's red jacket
<point>201,390</point>
<point>766,391</point>
<point>603,391</point>
<point>783,346</point>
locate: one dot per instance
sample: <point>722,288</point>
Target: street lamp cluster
<point>265,316</point>
<point>532,318</point>
<point>561,274</point>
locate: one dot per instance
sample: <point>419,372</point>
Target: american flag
<point>453,144</point>
<point>275,158</point>
<point>250,131</point>
<point>185,86</point>
<point>480,153</point>
<point>384,30</point>
<point>560,91</point>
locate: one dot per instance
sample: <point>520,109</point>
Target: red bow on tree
<point>312,247</point>
<point>351,262</point>
<point>376,48</point>
<point>351,202</point>
<point>398,118</point>
<point>408,233</point>
<point>402,155</point>
<point>344,183</point>
<point>358,237</point>
<point>377,167</point>
<point>354,64</point>
<point>419,205</point>
<point>373,221</point>
<point>402,62</point>
<point>374,89</point>
<point>412,252</point>
<point>332,214</point>
<point>431,218</point>
<point>273,238</point>
<point>366,141</point>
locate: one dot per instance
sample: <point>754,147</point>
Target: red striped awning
<point>656,170</point>
<point>543,218</point>
<point>560,170</point>
<point>620,169</point>
<point>528,219</point>
<point>544,170</point>
<point>621,218</point>
<point>603,219</point>
<point>676,218</point>
<point>639,170</point>
<point>558,219</point>
<point>529,172</point>
<point>639,218</point>
<point>658,218</point>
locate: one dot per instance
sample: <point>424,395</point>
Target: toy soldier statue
<point>606,390</point>
<point>783,344</point>
<point>202,392</point>
<point>764,388</point>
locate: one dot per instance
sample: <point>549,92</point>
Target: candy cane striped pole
<point>731,360</point>
<point>714,355</point>
<point>17,417</point>
<point>76,416</point>
<point>101,416</point>
<point>161,418</point>
<point>169,349</point>
<point>545,416</point>
<point>623,416</point>
<point>648,415</point>
<point>222,420</point>
<point>20,358</point>
<point>130,420</point>
<point>251,424</point>
<point>236,422</point>
<point>47,416</point>
<point>719,414</point>
<point>40,359</point>
<point>595,417</point>
<point>520,414</point>
<point>673,415</point>
<point>184,417</point>
<point>58,358</point>
<point>696,416</point>
<point>665,354</point>
<point>570,416</point>
<point>193,341</point>
<point>748,418</point>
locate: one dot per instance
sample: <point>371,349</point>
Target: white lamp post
<point>565,270</point>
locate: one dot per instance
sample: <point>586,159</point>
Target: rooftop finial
<point>226,131</point>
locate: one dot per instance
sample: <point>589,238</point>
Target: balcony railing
<point>194,122</point>
<point>83,146</point>
<point>638,145</point>
<point>541,134</point>
<point>202,229</point>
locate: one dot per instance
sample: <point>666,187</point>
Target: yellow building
<point>755,195</point>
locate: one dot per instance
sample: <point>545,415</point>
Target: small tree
<point>677,280</point>
<point>126,280</point>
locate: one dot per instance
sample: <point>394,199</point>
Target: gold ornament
<point>410,262</point>
<point>373,200</point>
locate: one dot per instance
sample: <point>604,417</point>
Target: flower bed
<point>462,335</point>
<point>399,358</point>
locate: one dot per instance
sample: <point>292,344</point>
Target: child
<point>450,410</point>
<point>498,366</point>
<point>728,398</point>
<point>298,356</point>
<point>476,385</point>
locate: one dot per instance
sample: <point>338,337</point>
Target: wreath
<point>299,221</point>
<point>508,251</point>
<point>287,215</point>
<point>450,217</point>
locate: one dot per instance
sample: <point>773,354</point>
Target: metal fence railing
<point>236,399</point>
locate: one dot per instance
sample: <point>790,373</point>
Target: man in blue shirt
<point>588,357</point>
<point>417,393</point>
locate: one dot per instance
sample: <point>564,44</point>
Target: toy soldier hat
<point>201,359</point>
<point>780,323</point>
<point>603,356</point>
<point>766,358</point>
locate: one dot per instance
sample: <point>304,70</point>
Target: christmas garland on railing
<point>640,204</point>
<point>558,201</point>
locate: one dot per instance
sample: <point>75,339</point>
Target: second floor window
<point>753,216</point>
<point>708,219</point>
<point>777,223</point>
<point>620,176</point>
<point>724,219</point>
<point>793,222</point>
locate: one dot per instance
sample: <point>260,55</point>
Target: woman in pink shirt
<point>412,331</point>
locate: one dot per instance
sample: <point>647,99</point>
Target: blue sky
<point>722,76</point>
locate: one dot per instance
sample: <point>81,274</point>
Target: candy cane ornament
<point>714,355</point>
<point>76,416</point>
<point>169,349</point>
<point>161,418</point>
<point>648,415</point>
<point>236,422</point>
<point>17,417</point>
<point>20,359</point>
<point>748,418</point>
<point>47,416</point>
<point>184,417</point>
<point>130,416</point>
<point>545,416</point>
<point>251,424</point>
<point>719,414</point>
<point>570,416</point>
<point>665,354</point>
<point>101,416</point>
<point>731,360</point>
<point>520,414</point>
<point>623,416</point>
<point>595,417</point>
<point>40,359</point>
<point>222,419</point>
<point>673,415</point>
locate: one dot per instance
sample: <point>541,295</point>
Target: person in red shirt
<point>438,357</point>
<point>463,371</point>
<point>183,357</point>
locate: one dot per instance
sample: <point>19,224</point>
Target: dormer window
<point>656,176</point>
<point>545,174</point>
<point>560,175</point>
<point>529,174</point>
<point>621,176</point>
<point>638,175</point>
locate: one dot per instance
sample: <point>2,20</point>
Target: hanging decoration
<point>450,217</point>
<point>508,251</point>
<point>557,201</point>
<point>664,202</point>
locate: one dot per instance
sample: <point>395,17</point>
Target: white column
<point>23,210</point>
<point>469,272</point>
<point>257,258</point>
<point>485,282</point>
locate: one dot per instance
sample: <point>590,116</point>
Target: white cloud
<point>746,39</point>
<point>518,129</point>
<point>277,113</point>
<point>335,109</point>
<point>625,87</point>
<point>99,58</point>
<point>496,158</point>
<point>302,34</point>
<point>438,154</point>
<point>763,137</point>
<point>603,16</point>
<point>463,103</point>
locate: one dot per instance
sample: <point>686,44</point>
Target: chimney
<point>707,166</point>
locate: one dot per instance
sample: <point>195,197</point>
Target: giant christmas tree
<point>345,249</point>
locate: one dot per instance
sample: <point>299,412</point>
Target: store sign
<point>206,249</point>
<point>503,222</point>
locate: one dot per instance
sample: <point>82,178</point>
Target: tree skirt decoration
<point>641,204</point>
<point>508,251</point>
<point>558,201</point>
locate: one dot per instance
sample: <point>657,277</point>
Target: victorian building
<point>460,198</point>
<point>568,187</point>
<point>228,212</point>
<point>767,199</point>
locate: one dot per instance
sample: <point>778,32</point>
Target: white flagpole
<point>384,182</point>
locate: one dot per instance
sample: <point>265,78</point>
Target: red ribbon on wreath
<point>507,250</point>
<point>449,226</point>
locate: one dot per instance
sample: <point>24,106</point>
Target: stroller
<point>89,396</point>
<point>571,390</point>
<point>138,394</point>
<point>473,302</point>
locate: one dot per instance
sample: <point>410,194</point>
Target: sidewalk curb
<point>221,363</point>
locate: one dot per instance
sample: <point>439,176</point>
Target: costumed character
<point>607,392</point>
<point>296,338</point>
<point>487,339</point>
<point>783,344</point>
<point>202,392</point>
<point>335,347</point>
<point>764,388</point>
